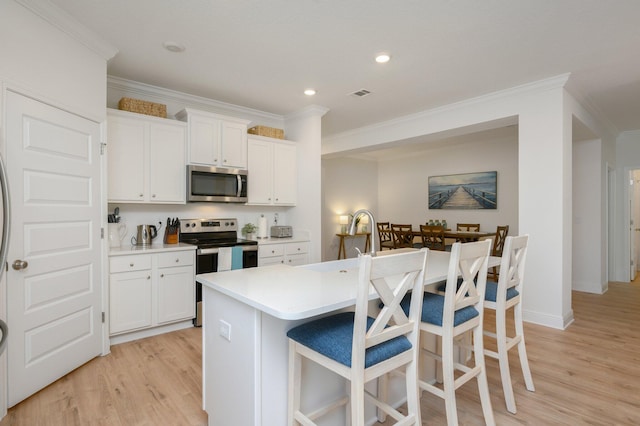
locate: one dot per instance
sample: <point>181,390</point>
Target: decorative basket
<point>143,107</point>
<point>271,132</point>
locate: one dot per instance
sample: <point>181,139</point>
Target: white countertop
<point>153,248</point>
<point>292,293</point>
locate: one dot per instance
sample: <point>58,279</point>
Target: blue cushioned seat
<point>333,337</point>
<point>492,292</point>
<point>433,309</point>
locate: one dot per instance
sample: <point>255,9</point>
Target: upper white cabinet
<point>147,157</point>
<point>215,140</point>
<point>273,172</point>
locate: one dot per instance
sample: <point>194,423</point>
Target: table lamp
<point>344,221</point>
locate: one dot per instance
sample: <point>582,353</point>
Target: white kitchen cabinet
<point>273,172</point>
<point>215,140</point>
<point>130,293</point>
<point>296,253</point>
<point>146,159</point>
<point>176,286</point>
<point>149,290</point>
<point>289,253</point>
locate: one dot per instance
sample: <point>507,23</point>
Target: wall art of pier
<point>463,191</point>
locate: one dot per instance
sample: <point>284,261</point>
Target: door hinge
<point>103,317</point>
<point>102,147</point>
<point>102,233</point>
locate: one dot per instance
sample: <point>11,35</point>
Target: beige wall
<point>395,187</point>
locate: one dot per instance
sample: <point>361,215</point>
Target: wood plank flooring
<point>588,374</point>
<point>153,381</point>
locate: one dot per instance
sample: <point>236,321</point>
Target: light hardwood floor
<point>588,374</point>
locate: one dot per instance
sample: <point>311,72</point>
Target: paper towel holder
<point>262,227</point>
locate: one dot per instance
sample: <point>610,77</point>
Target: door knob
<point>19,264</point>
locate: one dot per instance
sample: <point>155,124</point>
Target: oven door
<point>208,262</point>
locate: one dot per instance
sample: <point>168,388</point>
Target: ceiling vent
<point>360,93</point>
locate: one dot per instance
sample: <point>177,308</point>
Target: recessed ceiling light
<point>172,46</point>
<point>310,92</point>
<point>383,58</point>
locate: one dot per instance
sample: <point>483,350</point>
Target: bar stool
<point>361,348</point>
<point>453,315</point>
<point>501,296</point>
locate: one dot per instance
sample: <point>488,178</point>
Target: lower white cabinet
<point>148,290</point>
<point>291,253</point>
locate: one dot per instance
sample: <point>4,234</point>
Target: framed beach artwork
<point>467,191</point>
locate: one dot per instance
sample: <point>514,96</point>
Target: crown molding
<point>194,101</point>
<point>70,26</point>
<point>308,111</point>
<point>534,87</point>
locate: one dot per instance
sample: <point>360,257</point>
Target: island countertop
<point>292,293</point>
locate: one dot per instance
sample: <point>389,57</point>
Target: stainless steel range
<point>209,235</point>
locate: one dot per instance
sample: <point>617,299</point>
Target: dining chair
<point>496,250</point>
<point>504,295</point>
<point>452,316</point>
<point>402,235</point>
<point>360,347</point>
<point>472,227</point>
<point>433,237</point>
<point>385,235</point>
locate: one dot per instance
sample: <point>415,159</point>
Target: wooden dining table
<point>462,236</point>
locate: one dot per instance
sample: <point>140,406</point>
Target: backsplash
<point>133,215</point>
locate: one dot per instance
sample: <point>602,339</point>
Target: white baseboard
<point>141,334</point>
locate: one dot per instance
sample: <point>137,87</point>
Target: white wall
<point>44,61</point>
<point>587,269</point>
<point>348,184</point>
<point>305,127</point>
<point>403,182</point>
<point>396,189</point>
<point>118,88</point>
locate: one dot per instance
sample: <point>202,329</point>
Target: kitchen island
<point>247,314</point>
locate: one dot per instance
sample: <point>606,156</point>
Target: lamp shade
<point>344,220</point>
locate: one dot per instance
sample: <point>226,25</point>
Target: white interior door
<point>53,281</point>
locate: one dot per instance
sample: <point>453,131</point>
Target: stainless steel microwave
<point>216,184</point>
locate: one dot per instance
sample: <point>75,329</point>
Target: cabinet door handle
<point>131,265</point>
<point>148,277</point>
<point>141,195</point>
<point>161,275</point>
<point>153,196</point>
<point>177,260</point>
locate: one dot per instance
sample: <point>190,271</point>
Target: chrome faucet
<point>372,223</point>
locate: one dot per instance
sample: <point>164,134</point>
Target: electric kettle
<point>145,234</point>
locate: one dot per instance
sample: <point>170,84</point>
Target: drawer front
<point>297,259</point>
<point>273,260</point>
<point>129,263</point>
<point>271,250</point>
<point>297,248</point>
<point>176,258</point>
